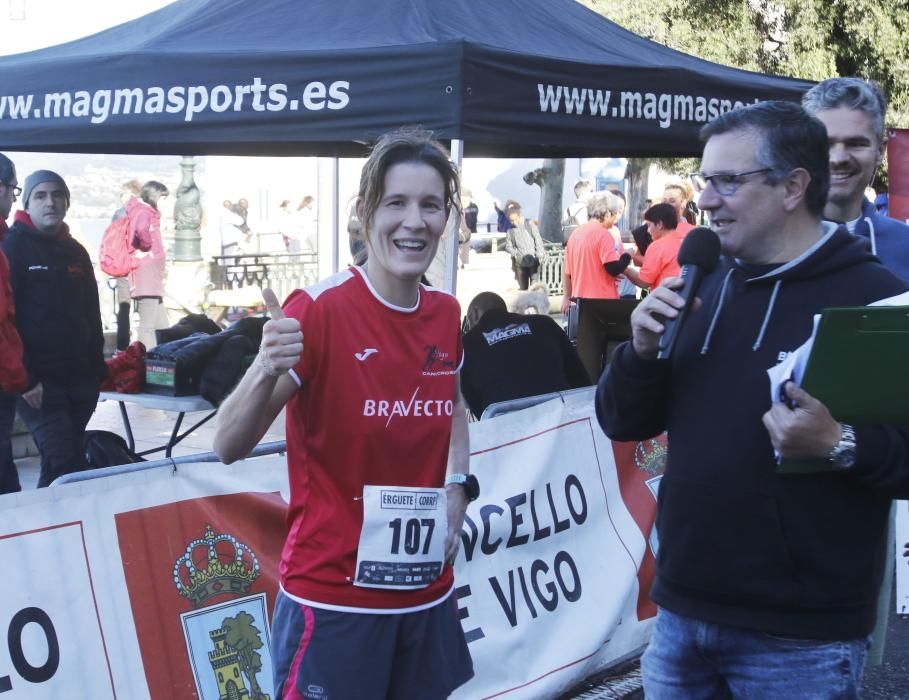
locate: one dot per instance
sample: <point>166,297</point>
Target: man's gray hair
<point>601,204</point>
<point>853,93</point>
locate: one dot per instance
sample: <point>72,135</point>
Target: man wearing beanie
<point>13,378</point>
<point>59,319</point>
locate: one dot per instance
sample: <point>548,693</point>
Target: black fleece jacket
<point>57,309</point>
<point>740,545</point>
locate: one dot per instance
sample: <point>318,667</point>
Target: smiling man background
<point>58,317</point>
<point>853,112</point>
<point>767,583</point>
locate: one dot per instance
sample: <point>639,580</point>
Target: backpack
<point>116,252</point>
<point>106,449</point>
<point>571,218</point>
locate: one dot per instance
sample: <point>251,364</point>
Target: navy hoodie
<point>888,239</point>
<point>57,308</point>
<point>797,555</point>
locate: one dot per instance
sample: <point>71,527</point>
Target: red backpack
<point>116,252</point>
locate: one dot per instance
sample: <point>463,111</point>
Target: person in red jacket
<point>13,377</point>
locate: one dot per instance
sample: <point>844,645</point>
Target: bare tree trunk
<point>638,174</point>
<point>553,181</point>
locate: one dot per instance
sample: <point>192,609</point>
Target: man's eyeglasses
<point>726,184</point>
<point>16,190</point>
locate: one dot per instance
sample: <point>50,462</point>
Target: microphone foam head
<point>701,248</point>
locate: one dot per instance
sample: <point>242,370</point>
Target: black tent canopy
<point>325,77</point>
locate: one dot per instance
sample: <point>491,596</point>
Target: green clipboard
<point>859,369</point>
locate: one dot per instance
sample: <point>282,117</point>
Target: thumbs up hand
<point>282,339</point>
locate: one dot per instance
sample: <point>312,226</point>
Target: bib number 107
<point>413,531</point>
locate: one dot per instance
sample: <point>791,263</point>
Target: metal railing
<point>282,272</point>
<point>277,447</point>
<point>551,269</point>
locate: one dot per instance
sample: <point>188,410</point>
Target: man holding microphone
<point>767,583</point>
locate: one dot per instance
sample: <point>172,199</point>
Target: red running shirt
<point>375,407</point>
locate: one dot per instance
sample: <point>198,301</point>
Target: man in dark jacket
<point>767,583</point>
<point>511,356</point>
<point>853,112</point>
<point>58,317</point>
<point>13,378</point>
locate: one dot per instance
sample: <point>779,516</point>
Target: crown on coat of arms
<point>227,566</point>
<point>650,456</point>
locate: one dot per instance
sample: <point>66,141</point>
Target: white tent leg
<point>329,216</point>
<point>335,214</point>
<point>450,283</point>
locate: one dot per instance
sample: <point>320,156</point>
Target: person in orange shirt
<point>591,260</point>
<point>661,258</point>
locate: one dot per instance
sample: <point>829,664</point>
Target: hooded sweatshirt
<point>888,239</point>
<point>57,309</point>
<point>147,280</point>
<point>797,555</point>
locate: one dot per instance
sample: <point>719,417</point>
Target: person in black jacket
<point>512,356</point>
<point>767,583</point>
<point>59,319</point>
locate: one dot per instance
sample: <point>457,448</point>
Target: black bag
<point>106,449</point>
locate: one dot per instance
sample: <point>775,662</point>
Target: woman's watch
<point>468,482</point>
<point>842,455</point>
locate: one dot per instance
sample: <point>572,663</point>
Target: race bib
<point>402,543</point>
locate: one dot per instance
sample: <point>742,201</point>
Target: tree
<point>551,199</point>
<point>813,39</point>
<point>243,637</point>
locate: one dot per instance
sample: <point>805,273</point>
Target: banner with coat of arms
<point>161,585</point>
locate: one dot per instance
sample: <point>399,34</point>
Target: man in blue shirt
<point>853,111</point>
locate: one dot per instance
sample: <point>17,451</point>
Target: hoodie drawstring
<point>776,288</point>
<point>871,235</point>
<point>716,313</point>
<point>719,307</point>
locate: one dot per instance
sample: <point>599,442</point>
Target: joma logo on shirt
<point>428,408</point>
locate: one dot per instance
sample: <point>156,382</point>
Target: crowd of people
<point>767,583</point>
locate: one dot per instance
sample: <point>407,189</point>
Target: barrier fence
<point>160,583</point>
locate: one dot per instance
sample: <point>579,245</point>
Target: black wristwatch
<point>842,456</point>
<point>469,483</point>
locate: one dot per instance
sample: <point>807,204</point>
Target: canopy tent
<point>543,78</point>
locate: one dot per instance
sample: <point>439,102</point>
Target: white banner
<point>161,584</point>
<point>902,563</point>
<point>548,574</point>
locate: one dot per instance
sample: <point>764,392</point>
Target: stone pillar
<point>187,216</point>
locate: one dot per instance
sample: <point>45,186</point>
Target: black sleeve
<point>93,317</point>
<point>642,238</point>
<point>469,389</point>
<point>882,458</point>
<point>471,394</point>
<point>617,267</point>
<point>632,396</point>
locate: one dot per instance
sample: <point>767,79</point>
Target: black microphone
<point>698,255</point>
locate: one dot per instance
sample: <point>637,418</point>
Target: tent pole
<point>336,215</point>
<point>451,246</point>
